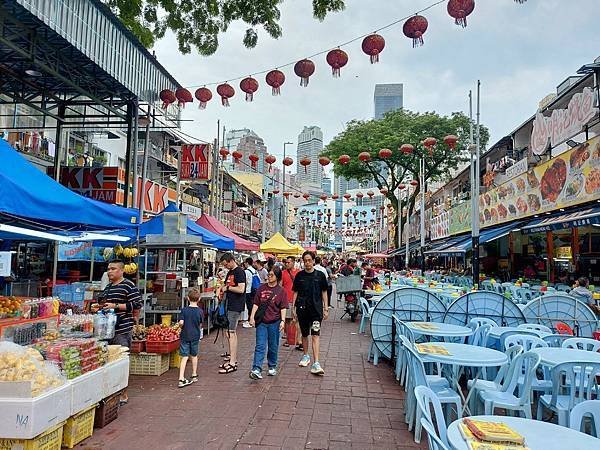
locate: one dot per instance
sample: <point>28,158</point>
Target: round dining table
<point>496,332</point>
<point>552,356</point>
<point>466,355</point>
<point>538,435</point>
<point>439,329</point>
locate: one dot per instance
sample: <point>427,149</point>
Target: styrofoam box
<point>25,418</point>
<point>116,376</point>
<point>86,390</point>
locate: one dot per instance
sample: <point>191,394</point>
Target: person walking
<point>190,321</point>
<point>310,300</point>
<point>268,316</point>
<point>123,297</point>
<point>287,281</point>
<point>252,283</point>
<point>262,271</point>
<point>234,293</point>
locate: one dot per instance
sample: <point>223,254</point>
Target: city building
<point>246,141</point>
<point>387,97</point>
<point>326,185</point>
<point>310,145</point>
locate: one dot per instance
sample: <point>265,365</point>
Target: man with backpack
<point>252,284</point>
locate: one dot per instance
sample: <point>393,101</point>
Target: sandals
<point>300,347</point>
<point>194,378</point>
<point>285,344</point>
<point>228,368</point>
<point>225,355</point>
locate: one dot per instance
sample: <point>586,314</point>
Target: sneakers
<point>316,369</point>
<point>305,361</point>
<point>246,324</point>
<point>183,383</point>
<point>255,374</point>
<point>272,372</point>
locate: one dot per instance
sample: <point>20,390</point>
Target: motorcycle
<point>351,305</point>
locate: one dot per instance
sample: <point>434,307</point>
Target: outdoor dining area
<point>480,371</point>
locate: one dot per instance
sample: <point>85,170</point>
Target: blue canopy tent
<point>27,195</point>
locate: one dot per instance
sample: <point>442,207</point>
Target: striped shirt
<point>126,293</point>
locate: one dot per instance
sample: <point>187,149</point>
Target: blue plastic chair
<point>563,288</point>
<point>578,379</point>
<point>426,401</point>
<point>555,340</point>
<point>435,443</point>
<point>589,408</point>
<point>534,326</point>
<point>366,312</point>
<point>526,294</point>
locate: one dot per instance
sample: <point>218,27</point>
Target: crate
<point>116,377</point>
<point>175,359</point>
<point>79,427</point>
<point>138,346</point>
<point>148,364</point>
<point>161,346</point>
<point>86,390</point>
<point>107,411</point>
<point>351,283</point>
<point>50,439</point>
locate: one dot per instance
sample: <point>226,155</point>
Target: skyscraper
<point>387,97</point>
<point>326,185</point>
<point>310,145</point>
<point>247,142</point>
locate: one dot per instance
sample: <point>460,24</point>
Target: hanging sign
<point>563,123</point>
<point>193,212</point>
<point>516,169</point>
<point>195,161</point>
<point>79,252</point>
<point>5,259</point>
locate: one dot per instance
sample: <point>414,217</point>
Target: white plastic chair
<point>524,364</point>
<point>494,385</point>
<point>366,312</point>
<point>426,399</point>
<point>480,337</point>
<point>579,383</point>
<point>555,340</point>
<point>435,443</point>
<point>583,409</point>
<point>526,341</point>
<point>534,326</point>
<point>506,334</point>
<point>591,345</point>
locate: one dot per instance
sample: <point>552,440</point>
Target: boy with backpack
<point>190,321</point>
<point>252,284</point>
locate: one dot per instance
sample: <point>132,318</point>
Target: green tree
<point>397,128</point>
<point>198,23</point>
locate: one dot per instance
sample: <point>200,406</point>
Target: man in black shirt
<point>311,307</point>
<point>234,293</point>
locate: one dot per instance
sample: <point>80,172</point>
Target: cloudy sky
<point>520,53</point>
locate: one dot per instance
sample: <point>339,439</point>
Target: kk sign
<point>195,161</point>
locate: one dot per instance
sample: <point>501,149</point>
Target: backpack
<point>255,279</point>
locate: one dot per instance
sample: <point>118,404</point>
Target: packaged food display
<point>104,324</point>
<point>77,325</point>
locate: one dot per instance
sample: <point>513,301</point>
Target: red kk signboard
<point>195,160</point>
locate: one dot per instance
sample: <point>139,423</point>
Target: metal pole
<point>399,231</point>
<point>264,221</point>
<point>422,175</point>
<point>407,225</point>
<point>144,168</point>
<point>136,130</point>
<point>178,188</point>
<point>475,199</point>
<point>129,152</point>
<point>57,155</point>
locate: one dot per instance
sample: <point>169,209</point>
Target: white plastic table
<point>495,332</point>
<point>538,435</point>
<point>442,329</point>
<point>552,356</point>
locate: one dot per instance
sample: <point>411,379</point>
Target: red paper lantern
<point>430,142</point>
<point>370,194</point>
<point>324,161</point>
<point>304,69</point>
<point>335,197</point>
<point>364,156</point>
<point>287,161</point>
<point>359,195</point>
<point>407,149</point>
<point>385,153</point>
<point>347,196</point>
<point>383,191</point>
<point>337,59</point>
<point>520,1</point>
<point>275,191</point>
<point>381,208</point>
<point>253,157</point>
<point>270,160</point>
<point>414,183</point>
<point>286,194</point>
<point>451,141</point>
<point>402,186</point>
<point>223,152</point>
<point>323,197</point>
<point>203,95</point>
<point>305,162</point>
<point>226,91</point>
<point>306,196</point>
<point>275,79</point>
<point>296,195</point>
<point>237,155</point>
<point>344,159</point>
<point>373,210</point>
<point>167,96</point>
<point>249,85</point>
<point>183,96</point>
<point>414,28</point>
<point>460,9</point>
<point>373,45</point>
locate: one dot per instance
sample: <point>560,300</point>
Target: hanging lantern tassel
<point>460,9</point>
<point>520,1</point>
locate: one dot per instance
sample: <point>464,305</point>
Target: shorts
<point>122,339</point>
<point>309,324</point>
<point>188,348</point>
<point>234,318</point>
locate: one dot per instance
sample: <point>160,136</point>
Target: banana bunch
<point>107,253</point>
<point>118,250</point>
<point>130,268</point>
<point>130,252</point>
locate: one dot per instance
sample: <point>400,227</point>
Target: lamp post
<point>475,188</point>
<point>284,210</point>
<point>422,187</point>
<point>407,224</point>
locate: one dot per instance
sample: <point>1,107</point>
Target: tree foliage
<point>397,128</point>
<point>197,24</point>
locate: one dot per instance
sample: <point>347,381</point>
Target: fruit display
<point>77,325</point>
<point>139,333</point>
<point>64,307</point>
<point>18,364</point>
<point>130,268</point>
<point>116,352</point>
<point>163,333</point>
<point>75,356</point>
<point>125,252</point>
<point>10,307</point>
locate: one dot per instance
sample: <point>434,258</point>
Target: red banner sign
<point>195,161</point>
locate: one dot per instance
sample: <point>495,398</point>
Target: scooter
<point>351,307</point>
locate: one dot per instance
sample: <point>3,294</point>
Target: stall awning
<point>445,243</point>
<point>486,236</point>
<point>278,245</point>
<point>411,248</point>
<point>212,224</point>
<point>580,218</point>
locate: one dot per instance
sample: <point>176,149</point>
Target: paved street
<point>354,405</point>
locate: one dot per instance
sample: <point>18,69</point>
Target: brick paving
<point>355,405</point>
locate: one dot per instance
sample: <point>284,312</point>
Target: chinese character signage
<point>195,161</point>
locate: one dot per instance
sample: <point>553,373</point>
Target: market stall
<point>280,246</point>
<point>212,224</point>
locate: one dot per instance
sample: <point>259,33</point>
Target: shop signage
<point>582,218</point>
<point>79,252</point>
<point>564,252</point>
<point>516,169</point>
<point>193,212</point>
<point>440,226</point>
<point>194,161</point>
<point>227,201</point>
<point>563,123</point>
<point>460,218</point>
<point>5,264</point>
